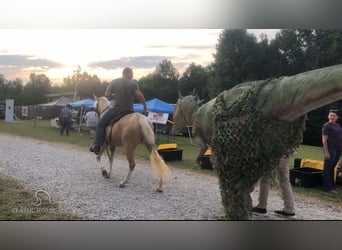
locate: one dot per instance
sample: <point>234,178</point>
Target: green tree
<point>12,89</point>
<point>84,83</point>
<point>3,87</point>
<point>195,78</point>
<point>15,91</point>
<point>236,60</point>
<point>329,46</point>
<point>36,89</point>
<point>147,86</point>
<point>162,83</point>
<point>291,47</point>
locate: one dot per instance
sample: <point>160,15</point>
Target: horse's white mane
<point>96,101</point>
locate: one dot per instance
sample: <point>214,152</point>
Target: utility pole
<point>76,80</point>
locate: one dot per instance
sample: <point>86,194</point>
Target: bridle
<point>103,111</point>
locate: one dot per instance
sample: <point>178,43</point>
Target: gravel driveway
<point>71,176</point>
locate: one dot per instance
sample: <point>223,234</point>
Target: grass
<point>41,130</point>
<point>17,202</point>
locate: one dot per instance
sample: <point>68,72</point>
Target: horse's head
<point>101,105</point>
<point>184,110</point>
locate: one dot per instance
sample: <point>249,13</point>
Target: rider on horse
<point>124,90</point>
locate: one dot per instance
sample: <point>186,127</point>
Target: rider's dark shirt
<point>334,133</point>
<point>124,93</point>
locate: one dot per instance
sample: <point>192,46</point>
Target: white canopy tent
<point>62,101</point>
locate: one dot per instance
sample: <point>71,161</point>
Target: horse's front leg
<point>98,158</point>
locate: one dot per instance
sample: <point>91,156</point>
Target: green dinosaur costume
<point>247,144</point>
<point>253,124</point>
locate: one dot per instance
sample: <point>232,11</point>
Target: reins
<point>105,109</point>
<point>99,114</point>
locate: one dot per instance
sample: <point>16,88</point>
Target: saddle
<point>118,117</point>
<point>113,121</point>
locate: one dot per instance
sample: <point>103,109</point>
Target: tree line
<point>239,57</point>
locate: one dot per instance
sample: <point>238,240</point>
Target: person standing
<point>65,119</point>
<point>332,146</point>
<point>91,119</point>
<point>125,90</point>
<point>286,190</point>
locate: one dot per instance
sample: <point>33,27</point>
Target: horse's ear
<point>180,94</point>
<point>194,93</point>
<point>95,97</point>
<point>199,102</point>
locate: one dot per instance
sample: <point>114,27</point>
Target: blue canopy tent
<point>83,105</point>
<point>89,103</point>
<point>136,106</point>
<point>155,105</point>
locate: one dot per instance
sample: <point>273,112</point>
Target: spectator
<point>65,119</point>
<point>332,145</point>
<point>91,120</point>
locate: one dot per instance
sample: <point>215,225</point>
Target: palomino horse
<point>186,113</point>
<point>128,132</point>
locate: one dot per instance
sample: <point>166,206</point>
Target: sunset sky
<point>104,52</point>
<point>53,37</point>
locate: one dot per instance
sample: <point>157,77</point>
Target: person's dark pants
<point>101,126</point>
<point>328,169</point>
<point>66,123</point>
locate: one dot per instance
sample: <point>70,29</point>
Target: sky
<point>53,37</point>
<point>104,52</point>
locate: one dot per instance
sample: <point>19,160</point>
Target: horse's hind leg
<point>131,162</point>
<point>110,153</point>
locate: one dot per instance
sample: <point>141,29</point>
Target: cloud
<point>20,66</point>
<point>27,61</point>
<point>195,47</point>
<point>136,62</point>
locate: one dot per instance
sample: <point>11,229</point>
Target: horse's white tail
<point>158,165</point>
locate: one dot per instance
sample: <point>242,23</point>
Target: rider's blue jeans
<point>101,127</point>
<point>328,169</point>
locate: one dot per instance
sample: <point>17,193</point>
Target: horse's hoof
<point>159,190</point>
<point>122,185</point>
<point>105,174</point>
